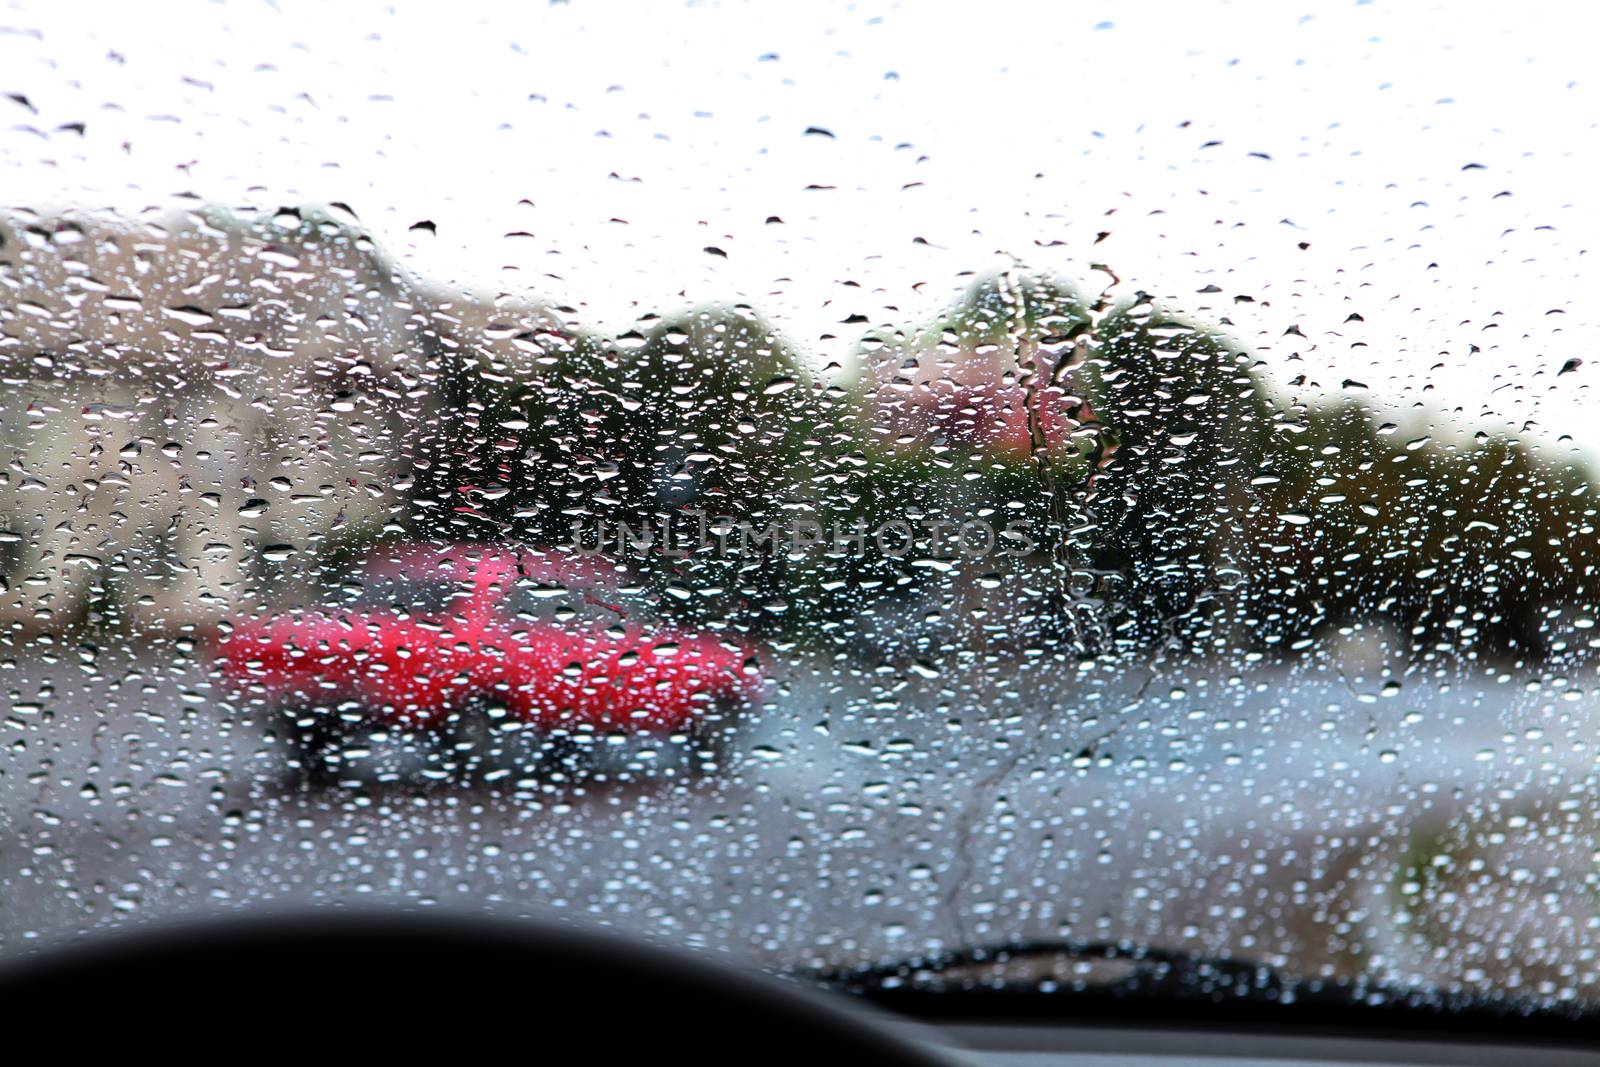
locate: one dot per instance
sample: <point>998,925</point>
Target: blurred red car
<point>454,642</point>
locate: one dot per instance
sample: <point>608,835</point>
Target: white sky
<point>1031,128</point>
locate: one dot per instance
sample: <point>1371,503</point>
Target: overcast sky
<point>1429,168</point>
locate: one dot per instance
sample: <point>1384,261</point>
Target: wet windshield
<point>847,487</point>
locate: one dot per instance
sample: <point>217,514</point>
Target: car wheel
<point>327,750</point>
<point>712,749</point>
<point>317,741</point>
<point>464,740</point>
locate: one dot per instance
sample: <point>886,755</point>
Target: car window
<point>1021,497</point>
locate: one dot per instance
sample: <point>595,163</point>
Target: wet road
<point>1261,812</point>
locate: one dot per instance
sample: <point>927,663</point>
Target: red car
<point>476,652</point>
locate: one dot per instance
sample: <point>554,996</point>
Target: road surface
<point>1264,812</point>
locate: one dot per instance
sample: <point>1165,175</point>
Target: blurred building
<point>190,403</point>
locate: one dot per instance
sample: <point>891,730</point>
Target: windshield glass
<point>848,486</point>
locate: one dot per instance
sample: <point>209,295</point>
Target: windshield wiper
<point>1046,966</point>
<point>1110,983</point>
